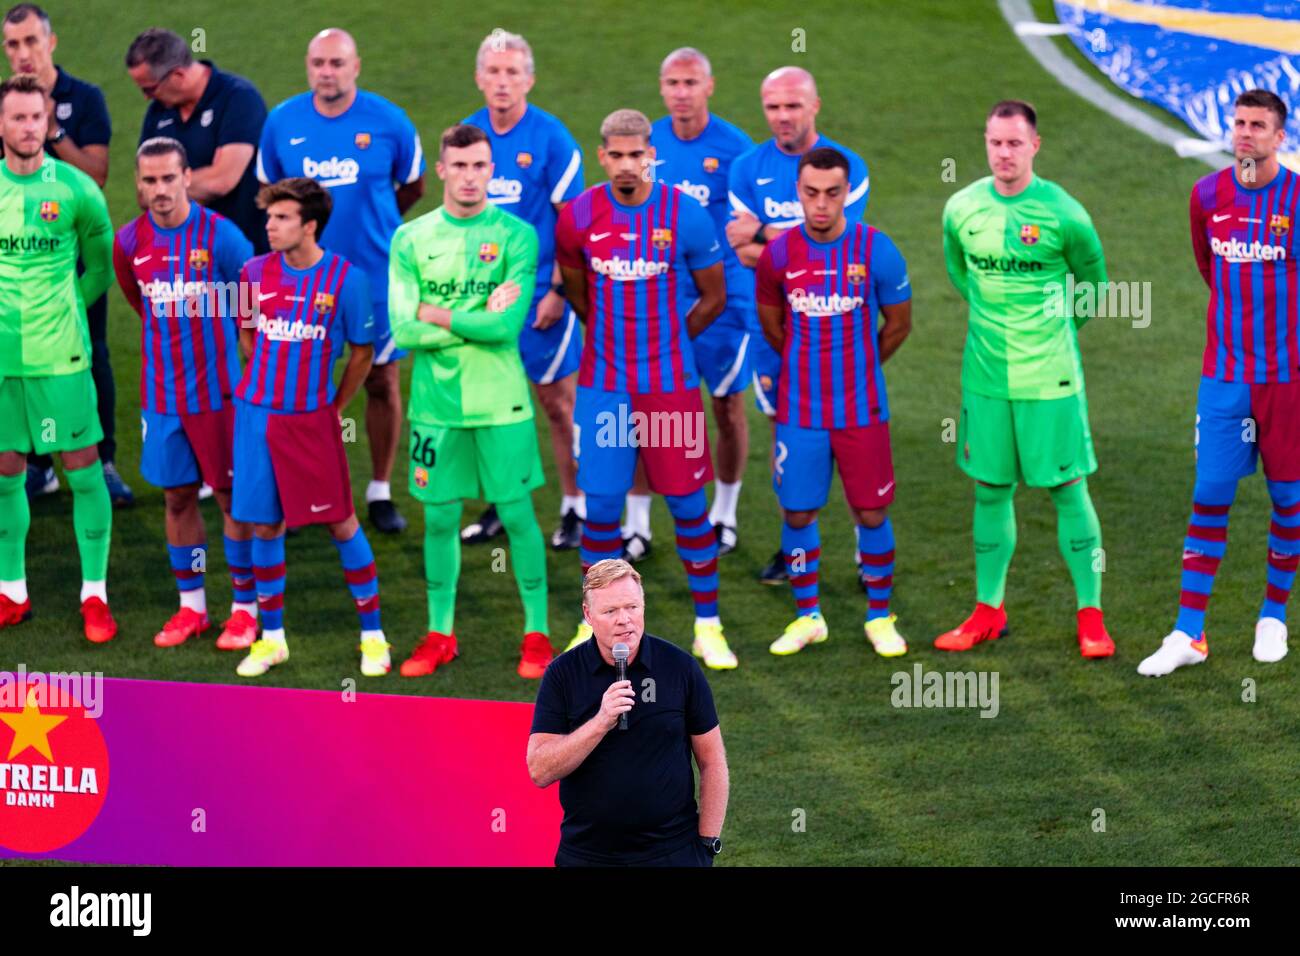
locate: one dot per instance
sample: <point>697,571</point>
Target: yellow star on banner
<point>31,728</point>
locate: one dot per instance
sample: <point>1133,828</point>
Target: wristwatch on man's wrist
<point>712,844</point>
<point>58,137</point>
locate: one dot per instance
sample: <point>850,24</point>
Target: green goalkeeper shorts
<point>497,463</point>
<point>49,413</point>
<point>1042,442</point>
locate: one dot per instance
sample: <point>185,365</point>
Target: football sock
<point>379,491</point>
<point>90,589</point>
<point>268,573</point>
<point>638,516</point>
<point>442,563</point>
<point>575,503</point>
<point>994,533</point>
<point>601,537</point>
<point>188,563</point>
<point>697,546</point>
<point>15,519</point>
<point>1078,534</point>
<point>802,548</point>
<point>1283,547</point>
<point>1203,549</point>
<point>239,559</point>
<point>876,554</point>
<point>92,519</point>
<point>528,555</point>
<point>726,495</point>
<point>363,579</point>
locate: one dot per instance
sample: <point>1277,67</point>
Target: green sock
<point>994,532</point>
<point>15,519</point>
<point>528,556</point>
<point>1078,532</point>
<point>92,519</point>
<point>442,563</point>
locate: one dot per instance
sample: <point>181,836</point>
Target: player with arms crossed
<point>819,287</point>
<point>290,466</point>
<point>461,286</point>
<point>1007,239</point>
<point>169,262</point>
<point>1244,219</point>
<point>694,150</point>
<point>764,197</point>
<point>50,212</point>
<point>537,170</point>
<point>634,253</point>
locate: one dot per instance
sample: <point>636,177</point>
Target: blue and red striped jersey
<point>639,261</point>
<point>1244,240</point>
<point>184,283</point>
<point>830,368</point>
<point>302,317</point>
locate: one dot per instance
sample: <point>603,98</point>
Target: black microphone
<point>620,666</point>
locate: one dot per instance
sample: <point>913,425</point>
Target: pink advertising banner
<point>151,772</point>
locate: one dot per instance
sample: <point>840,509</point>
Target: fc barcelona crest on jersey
<point>323,303</point>
<point>200,258</point>
<point>856,272</point>
<point>1029,233</point>
<point>710,164</point>
<point>362,140</point>
<point>523,160</point>
<point>1279,224</point>
<point>488,251</point>
<point>662,238</point>
<point>50,211</point>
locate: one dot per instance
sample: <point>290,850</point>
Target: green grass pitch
<point>1185,771</point>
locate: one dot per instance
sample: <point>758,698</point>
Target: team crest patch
<point>323,303</point>
<point>421,477</point>
<point>710,164</point>
<point>488,251</point>
<point>63,111</point>
<point>856,272</point>
<point>362,140</point>
<point>662,238</point>
<point>1029,233</point>
<point>200,258</point>
<point>1279,224</point>
<point>50,210</point>
<point>206,119</point>
<point>523,160</point>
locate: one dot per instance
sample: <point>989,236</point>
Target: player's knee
<point>181,500</point>
<point>442,519</point>
<point>81,458</point>
<point>871,517</point>
<point>12,463</point>
<point>800,519</point>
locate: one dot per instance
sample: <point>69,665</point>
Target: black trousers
<point>105,389</point>
<point>692,854</point>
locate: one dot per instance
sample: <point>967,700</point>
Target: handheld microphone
<point>621,652</point>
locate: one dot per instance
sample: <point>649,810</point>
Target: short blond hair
<point>604,573</point>
<point>625,123</point>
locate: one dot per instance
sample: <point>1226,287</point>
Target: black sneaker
<point>568,536</point>
<point>487,527</point>
<point>728,540</point>
<point>41,481</point>
<point>118,490</point>
<point>385,517</point>
<point>776,572</point>
<point>636,548</point>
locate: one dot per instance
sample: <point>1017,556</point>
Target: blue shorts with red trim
<point>666,430</point>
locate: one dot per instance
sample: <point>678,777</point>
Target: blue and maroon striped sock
<point>268,573</point>
<point>601,537</point>
<point>697,546</point>
<point>876,554</point>
<point>802,548</point>
<point>239,560</point>
<point>1283,547</point>
<point>188,564</point>
<point>363,580</point>
<point>1203,549</point>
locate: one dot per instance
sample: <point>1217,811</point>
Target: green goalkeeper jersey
<point>470,375</point>
<point>1004,253</point>
<point>47,220</point>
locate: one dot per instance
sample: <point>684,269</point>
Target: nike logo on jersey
<point>140,262</point>
<point>795,275</point>
<point>881,491</point>
<point>698,475</point>
<point>317,509</point>
<point>297,140</point>
<point>764,180</point>
<point>1226,215</point>
<point>162,123</point>
<point>597,236</point>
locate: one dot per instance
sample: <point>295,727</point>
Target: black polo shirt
<point>80,109</point>
<point>633,798</point>
<point>231,110</point>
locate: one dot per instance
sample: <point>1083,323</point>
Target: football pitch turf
<point>1183,769</point>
